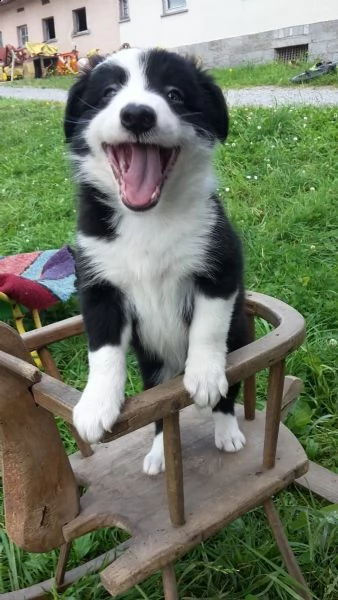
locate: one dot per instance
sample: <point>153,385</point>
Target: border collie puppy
<point>159,265</point>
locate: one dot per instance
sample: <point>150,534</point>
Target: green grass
<point>278,178</point>
<point>62,82</point>
<point>274,73</point>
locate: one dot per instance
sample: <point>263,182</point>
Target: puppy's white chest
<point>152,263</point>
<point>159,306</point>
<point>158,295</point>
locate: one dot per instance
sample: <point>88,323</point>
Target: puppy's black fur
<point>196,107</point>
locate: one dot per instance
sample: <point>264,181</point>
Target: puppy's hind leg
<point>154,462</point>
<point>228,436</point>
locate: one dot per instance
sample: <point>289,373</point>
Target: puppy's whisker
<point>77,121</point>
<point>206,134</point>
<point>87,104</point>
<point>190,114</point>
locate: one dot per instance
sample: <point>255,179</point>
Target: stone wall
<point>322,40</point>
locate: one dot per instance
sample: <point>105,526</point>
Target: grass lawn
<point>274,73</point>
<point>278,178</point>
<point>62,82</point>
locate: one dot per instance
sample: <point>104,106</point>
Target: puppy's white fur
<point>103,397</point>
<point>152,270</point>
<point>154,461</point>
<point>228,435</point>
<point>204,377</point>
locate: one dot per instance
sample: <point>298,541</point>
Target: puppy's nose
<point>138,118</point>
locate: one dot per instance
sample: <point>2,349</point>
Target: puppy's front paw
<point>96,412</point>
<point>205,381</point>
<point>154,462</point>
<point>228,436</point>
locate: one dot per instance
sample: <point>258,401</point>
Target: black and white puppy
<point>159,265</point>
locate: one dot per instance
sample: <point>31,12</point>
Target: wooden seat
<point>218,488</point>
<point>202,490</point>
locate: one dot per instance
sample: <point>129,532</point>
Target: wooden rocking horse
<point>202,490</point>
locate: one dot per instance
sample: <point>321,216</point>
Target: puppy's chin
<point>139,208</point>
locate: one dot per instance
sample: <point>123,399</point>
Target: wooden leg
<point>169,583</point>
<point>273,413</point>
<point>173,468</point>
<point>62,564</point>
<point>321,481</point>
<point>44,590</point>
<point>49,363</point>
<point>250,382</point>
<point>293,387</point>
<point>250,398</point>
<point>285,549</point>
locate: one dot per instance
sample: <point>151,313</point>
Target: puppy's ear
<point>75,106</point>
<point>215,106</point>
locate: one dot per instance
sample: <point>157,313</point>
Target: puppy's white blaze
<point>204,376</point>
<point>102,399</point>
<point>107,127</point>
<point>137,90</point>
<point>129,59</point>
<point>170,131</point>
<point>154,461</point>
<point>228,436</point>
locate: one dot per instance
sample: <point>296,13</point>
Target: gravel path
<point>278,96</point>
<point>27,93</point>
<point>256,96</point>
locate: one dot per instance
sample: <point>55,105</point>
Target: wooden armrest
<point>48,334</point>
<point>272,310</point>
<point>19,367</point>
<point>169,397</point>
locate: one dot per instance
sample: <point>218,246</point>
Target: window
<point>124,10</point>
<point>174,5</point>
<point>22,35</point>
<point>288,53</point>
<point>1,41</point>
<point>44,2</point>
<point>48,29</point>
<point>80,20</point>
<point>20,9</point>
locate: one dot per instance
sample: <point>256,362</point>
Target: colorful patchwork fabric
<point>38,279</point>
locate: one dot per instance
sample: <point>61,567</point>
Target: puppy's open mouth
<point>141,170</point>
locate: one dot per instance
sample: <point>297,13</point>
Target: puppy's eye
<point>175,96</point>
<point>111,90</point>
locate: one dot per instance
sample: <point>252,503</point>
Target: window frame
<point>76,22</point>
<point>45,30</point>
<point>123,17</point>
<point>172,11</point>
<point>21,43</point>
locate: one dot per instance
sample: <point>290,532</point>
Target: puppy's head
<point>133,120</point>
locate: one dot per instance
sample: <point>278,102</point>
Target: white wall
<point>208,20</point>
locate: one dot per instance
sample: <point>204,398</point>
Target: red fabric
<point>38,279</point>
<point>17,263</point>
<point>26,292</point>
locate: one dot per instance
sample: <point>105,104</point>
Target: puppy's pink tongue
<point>143,174</point>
